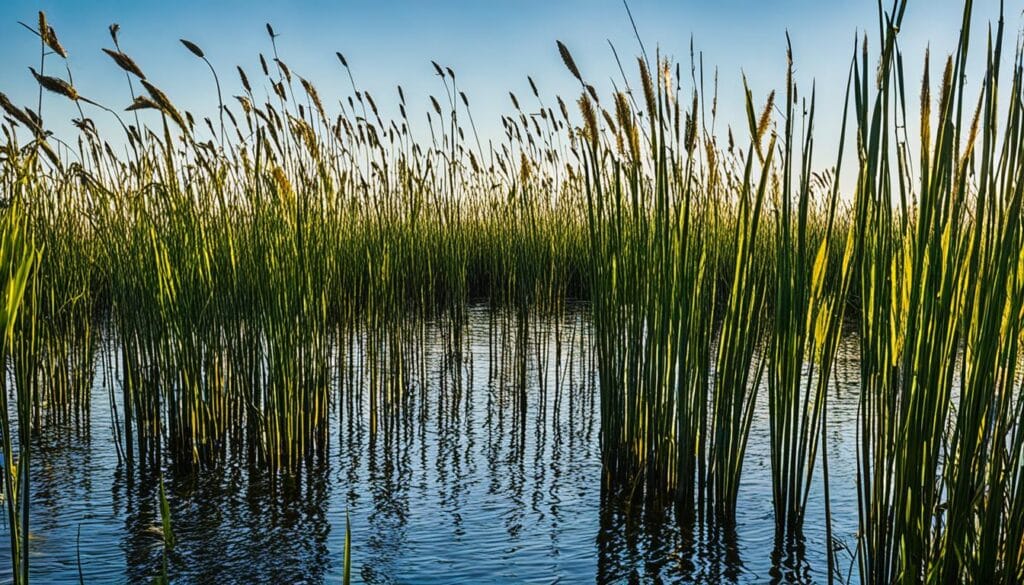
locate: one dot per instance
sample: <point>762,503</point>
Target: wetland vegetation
<point>619,318</point>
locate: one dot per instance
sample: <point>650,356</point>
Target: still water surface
<point>456,486</point>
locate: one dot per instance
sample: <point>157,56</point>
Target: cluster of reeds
<point>225,268</point>
<point>240,266</point>
<point>932,257</point>
<point>940,465</point>
<point>682,257</point>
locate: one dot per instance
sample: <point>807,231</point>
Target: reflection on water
<point>474,466</point>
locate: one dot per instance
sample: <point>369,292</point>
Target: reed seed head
<point>125,62</point>
<point>193,48</point>
<point>55,85</point>
<point>570,63</point>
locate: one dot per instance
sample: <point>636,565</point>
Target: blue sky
<point>492,46</point>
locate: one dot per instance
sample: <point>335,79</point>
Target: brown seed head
<point>570,64</point>
<point>125,62</point>
<point>56,85</point>
<point>19,114</point>
<point>648,85</point>
<point>194,48</point>
<point>245,79</point>
<point>142,103</point>
<point>589,118</point>
<point>164,104</point>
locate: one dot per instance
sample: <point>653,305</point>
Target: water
<point>458,487</point>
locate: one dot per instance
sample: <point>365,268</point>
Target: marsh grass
<point>18,258</point>
<point>255,275</point>
<point>939,455</point>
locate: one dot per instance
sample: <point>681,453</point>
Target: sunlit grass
<point>230,263</point>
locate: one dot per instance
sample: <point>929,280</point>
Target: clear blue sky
<point>492,46</point>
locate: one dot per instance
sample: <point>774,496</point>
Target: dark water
<point>458,486</point>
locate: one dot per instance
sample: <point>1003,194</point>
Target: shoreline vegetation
<point>232,260</point>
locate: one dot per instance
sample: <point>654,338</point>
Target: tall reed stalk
<point>18,258</point>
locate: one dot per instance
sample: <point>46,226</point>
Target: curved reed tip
<point>194,48</point>
<point>766,116</point>
<point>142,102</point>
<point>53,43</point>
<point>18,114</point>
<point>49,36</point>
<point>589,117</point>
<point>125,62</point>
<point>648,86</point>
<point>58,86</point>
<point>244,78</point>
<point>164,104</point>
<point>563,108</point>
<point>570,64</point>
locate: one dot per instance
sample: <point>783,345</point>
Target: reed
<point>811,289</point>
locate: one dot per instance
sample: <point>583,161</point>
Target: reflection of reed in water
<point>225,522</point>
<point>637,542</point>
<point>431,415</point>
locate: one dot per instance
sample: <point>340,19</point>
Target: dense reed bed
<point>234,263</point>
<point>931,256</point>
<point>941,469</point>
<point>224,269</point>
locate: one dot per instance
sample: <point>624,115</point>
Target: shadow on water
<point>467,454</point>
